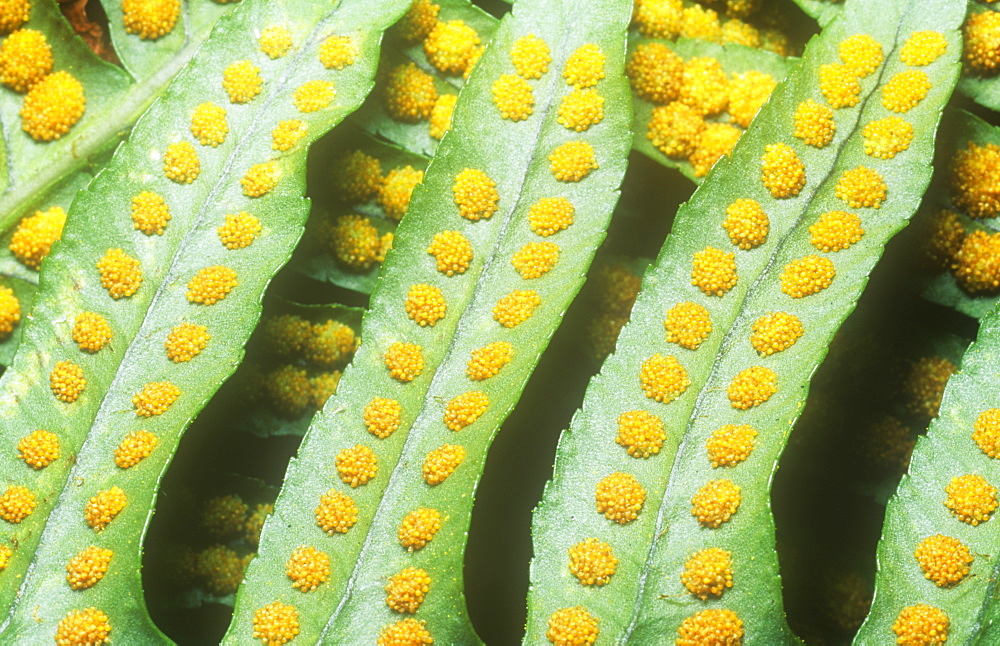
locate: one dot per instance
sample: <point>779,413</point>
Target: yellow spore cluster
<point>337,52</point>
<point>835,231</point>
<point>91,331</point>
<point>150,19</point>
<point>986,432</point>
<point>441,114</point>
<point>551,215</point>
<point>66,381</point>
<point>921,625</point>
<point>17,503</point>
<point>186,341</point>
<point>572,626</point>
<point>409,93</point>
<point>806,276</point>
<point>220,569</point>
<point>405,361</point>
<point>530,56</point>
<point>5,554</point>
<point>659,18</point>
<point>287,133</point>
<point>701,23</point>
<point>814,123</point>
<point>746,223</point>
<point>382,416</point>
<point>972,180</point>
<point>330,342</point>
<point>397,187</point>
<point>442,462</point>
<point>208,124</point>
<point>336,512</point>
<point>357,465</point>
<point>572,161</point>
<point>13,14</point>
<point>104,507</point>
<point>717,140</point>
<point>713,271</point>
<point>10,311</point>
<point>418,528</point>
<point>782,172</point>
<point>705,86</point>
<point>905,90</point>
<point>87,567</point>
<point>675,129</point>
<point>357,176</point>
<point>276,623</point>
<point>747,94</point>
<point>180,162</point>
<point>516,308</point>
<point>716,502</point>
<point>923,48</point>
<point>211,284</point>
<point>407,632</point>
<point>35,235</point>
<point>687,324</point>
<point>655,72</point>
<point>451,46</point>
<point>155,398</point>
<point>418,21</point>
<point>223,516</point>
<point>839,84</point>
<point>487,361</point>
<point>943,559</point>
<point>475,194</point>
<point>260,179</point>
<point>581,109</point>
<point>150,213</point>
<point>982,42</point>
<point>425,304</point>
<point>25,59</point>
<point>737,32</point>
<point>585,66</point>
<point>620,497</point>
<point>134,448</point>
<point>713,626</point>
<point>307,567</point>
<point>971,498</point>
<point>465,409</point>
<point>85,627</point>
<point>708,573</point>
<point>52,106</point>
<point>239,230</point>
<point>452,251</point>
<point>275,41</point>
<point>405,591</point>
<point>354,241</point>
<point>535,259</point>
<point>752,387</point>
<point>861,53</point>
<point>663,378</point>
<point>924,385</point>
<point>730,444</point>
<point>288,389</point>
<point>242,81</point>
<point>323,386</point>
<point>641,433</point>
<point>592,562</point>
<point>313,96</point>
<point>38,449</point>
<point>775,332</point>
<point>255,522</point>
<point>886,138</point>
<point>976,264</point>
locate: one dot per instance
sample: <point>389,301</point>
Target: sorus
<point>782,172</point>
<point>418,528</point>
<point>441,115</point>
<point>208,124</point>
<point>239,230</point>
<point>516,308</point>
<point>861,53</point>
<point>688,325</point>
<point>713,271</point>
<point>923,48</point>
<point>487,361</point>
<point>336,512</point>
<point>972,180</point>
<point>186,341</point>
<point>409,94</point>
<point>276,623</point>
<point>659,18</point>
<point>211,284</point>
<point>10,311</point>
<point>861,187</point>
<point>716,625</point>
<point>807,276</point>
<point>530,56</point>
<point>475,194</point>
<point>620,497</point>
<point>535,259</point>
<point>746,223</point>
<point>572,161</point>
<point>585,66</point>
<point>38,449</point>
<point>83,627</point>
<point>747,94</point>
<point>986,432</point>
<point>663,378</point>
<point>35,235</point>
<point>982,41</point>
<point>641,433</point>
<point>134,448</point>
<point>716,502</point>
<point>886,138</point>
<point>104,507</point>
<point>25,59</point>
<point>465,409</point>
<point>752,387</point>
<point>708,573</point>
<point>405,361</point>
<point>905,90</point>
<point>66,381</point>
<point>450,46</point>
<point>581,109</point>
<point>705,86</point>
<point>13,14</point>
<point>91,331</point>
<point>275,41</point>
<point>394,193</point>
<point>572,626</point>
<point>716,141</point>
<point>242,81</point>
<point>337,52</point>
<point>814,123</point>
<point>150,213</point>
<point>180,162</point>
<point>405,591</point>
<point>425,304</point>
<point>701,23</point>
<point>307,567</point>
<point>971,498</point>
<point>355,241</point>
<point>730,444</point>
<point>87,567</point>
<point>52,106</point>
<point>921,624</point>
<point>155,398</point>
<point>775,332</point>
<point>260,179</point>
<point>288,133</point>
<point>839,84</point>
<point>357,465</point>
<point>16,504</point>
<point>835,231</point>
<point>675,129</point>
<point>592,562</point>
<point>418,21</point>
<point>442,462</point>
<point>943,559</point>
<point>357,176</point>
<point>655,72</point>
<point>313,96</point>
<point>406,631</point>
<point>550,215</point>
<point>150,19</point>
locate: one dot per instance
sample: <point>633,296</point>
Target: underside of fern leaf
<point>147,300</point>
<point>367,537</point>
<point>663,529</point>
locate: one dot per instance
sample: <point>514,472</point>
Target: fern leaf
<point>485,264</point>
<point>637,518</point>
<point>140,316</point>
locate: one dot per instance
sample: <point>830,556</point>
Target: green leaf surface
<point>645,600</point>
<point>735,59</point>
<point>115,99</point>
<point>822,10</point>
<point>350,607</point>
<point>33,586</point>
<point>25,294</point>
<point>917,510</point>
